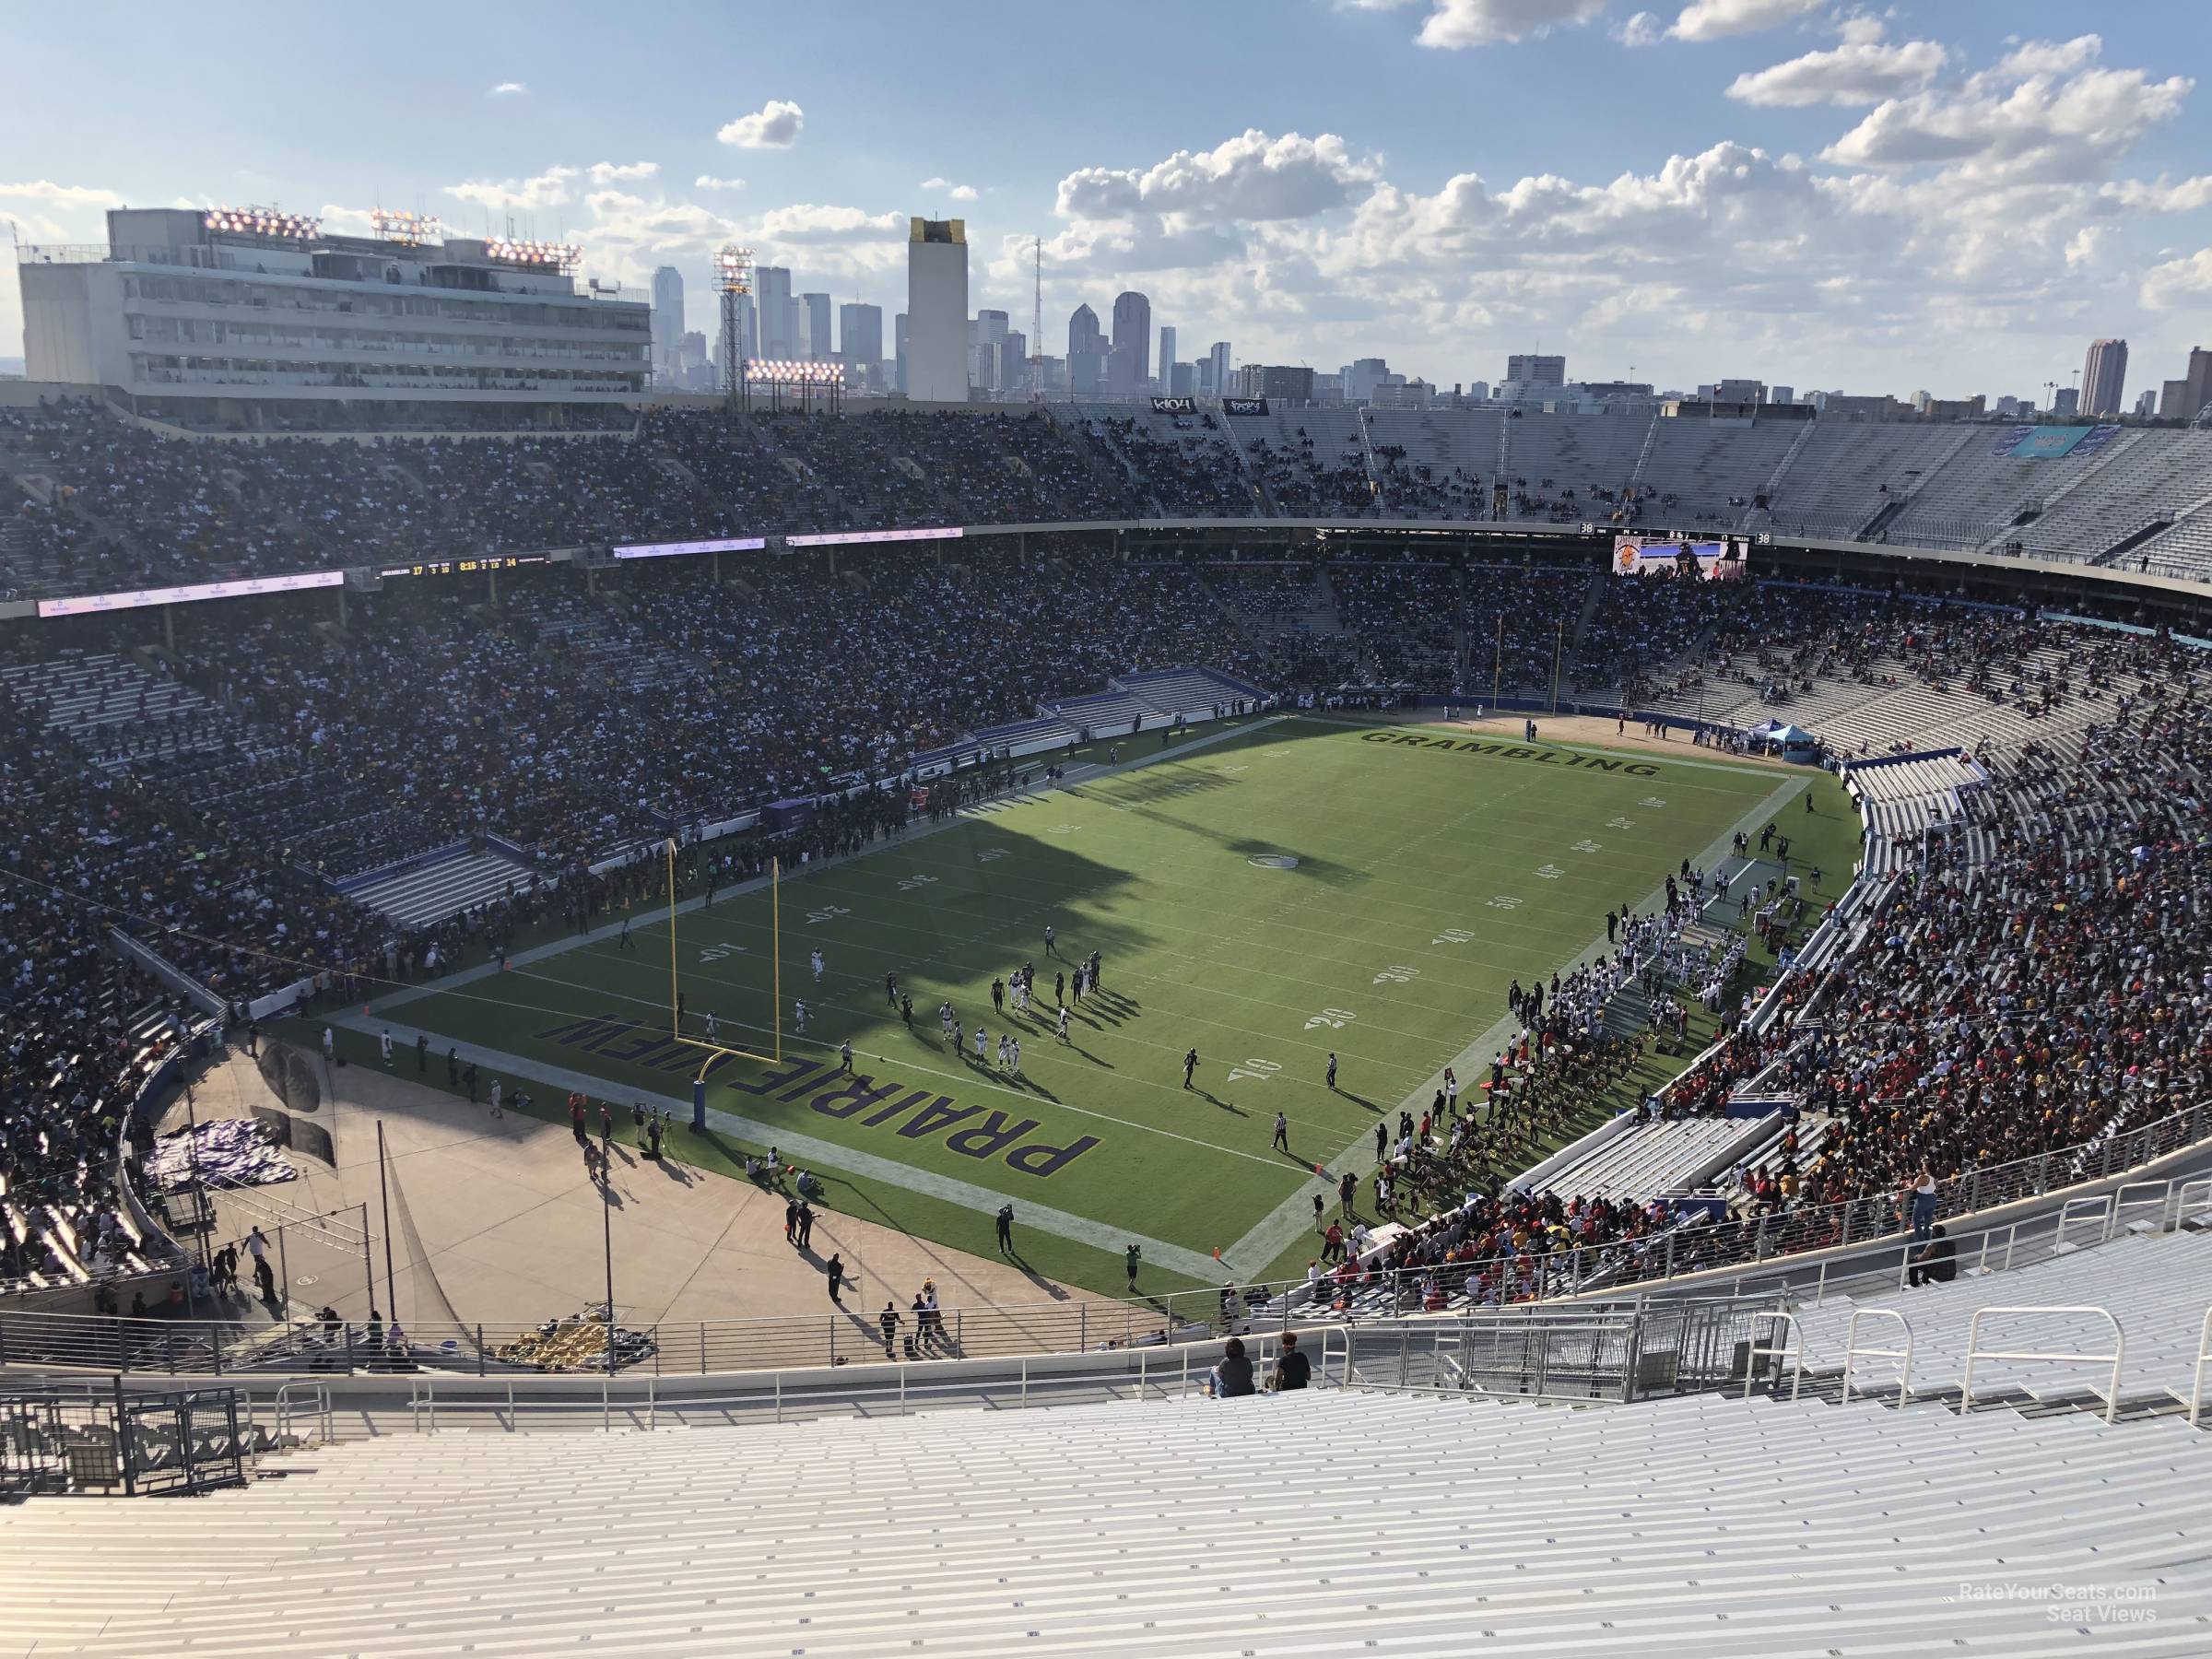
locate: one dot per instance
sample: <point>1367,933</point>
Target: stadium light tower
<point>733,279</point>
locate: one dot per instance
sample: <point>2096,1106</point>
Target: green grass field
<point>1290,889</point>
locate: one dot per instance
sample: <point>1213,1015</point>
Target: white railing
<point>2196,1378</point>
<point>1791,1350</point>
<point>1852,1352</point>
<point>1976,1352</point>
<point>431,1404</point>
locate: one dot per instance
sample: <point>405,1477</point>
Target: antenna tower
<point>1037,322</point>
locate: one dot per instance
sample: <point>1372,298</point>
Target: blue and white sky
<point>1954,195</point>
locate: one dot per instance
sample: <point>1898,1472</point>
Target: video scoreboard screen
<point>1727,560</point>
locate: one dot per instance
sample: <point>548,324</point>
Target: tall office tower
<point>1219,356</point>
<point>899,351</point>
<point>1167,359</point>
<point>1361,376</point>
<point>772,291</point>
<point>860,343</point>
<point>936,310</point>
<point>986,335</point>
<point>815,343</point>
<point>2104,377</point>
<point>1129,365</point>
<point>667,321</point>
<point>1536,370</point>
<point>1086,353</point>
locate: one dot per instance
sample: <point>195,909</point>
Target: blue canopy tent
<point>1793,743</point>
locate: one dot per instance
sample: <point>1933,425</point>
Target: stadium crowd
<point>2040,1001</point>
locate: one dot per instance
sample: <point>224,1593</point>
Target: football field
<point>1287,889</point>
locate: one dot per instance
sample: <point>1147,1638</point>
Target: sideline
<point>811,1152</point>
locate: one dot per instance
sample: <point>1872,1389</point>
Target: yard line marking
<point>1272,1233</point>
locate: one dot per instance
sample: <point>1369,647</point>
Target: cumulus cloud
<point>345,220</point>
<point>623,173</point>
<point>959,193</point>
<point>709,182</point>
<point>806,221</point>
<point>509,89</point>
<point>61,195</point>
<point>1454,25</point>
<point>1641,28</point>
<point>1851,74</point>
<point>1251,177</point>
<point>2050,57</point>
<point>2179,281</point>
<point>775,125</point>
<point>1714,19</point>
<point>2048,124</point>
<point>548,189</point>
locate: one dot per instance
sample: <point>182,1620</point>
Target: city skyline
<point>1949,197</point>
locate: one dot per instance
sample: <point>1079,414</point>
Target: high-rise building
<point>1086,352</point>
<point>1361,376</point>
<point>1167,359</point>
<point>2065,400</point>
<point>899,351</point>
<point>771,290</point>
<point>813,342</point>
<point>667,321</point>
<point>1536,370</point>
<point>2104,377</point>
<point>1291,383</point>
<point>1780,395</point>
<point>2184,399</point>
<point>1218,356</point>
<point>860,343</point>
<point>2146,403</point>
<point>1478,391</point>
<point>1014,361</point>
<point>936,310</point>
<point>1130,364</point>
<point>986,334</point>
<point>1181,382</point>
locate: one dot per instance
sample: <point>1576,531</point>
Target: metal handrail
<point>2183,1205</point>
<point>2098,1206</point>
<point>317,1395</point>
<point>1974,1350</point>
<point>2204,1359</point>
<point>1792,1349</point>
<point>1852,1351</point>
<point>2122,1204</point>
<point>424,1395</point>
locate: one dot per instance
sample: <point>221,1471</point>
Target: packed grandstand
<point>206,785</point>
<point>280,802</point>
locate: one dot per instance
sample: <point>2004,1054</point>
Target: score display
<point>1727,560</point>
<point>466,567</point>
